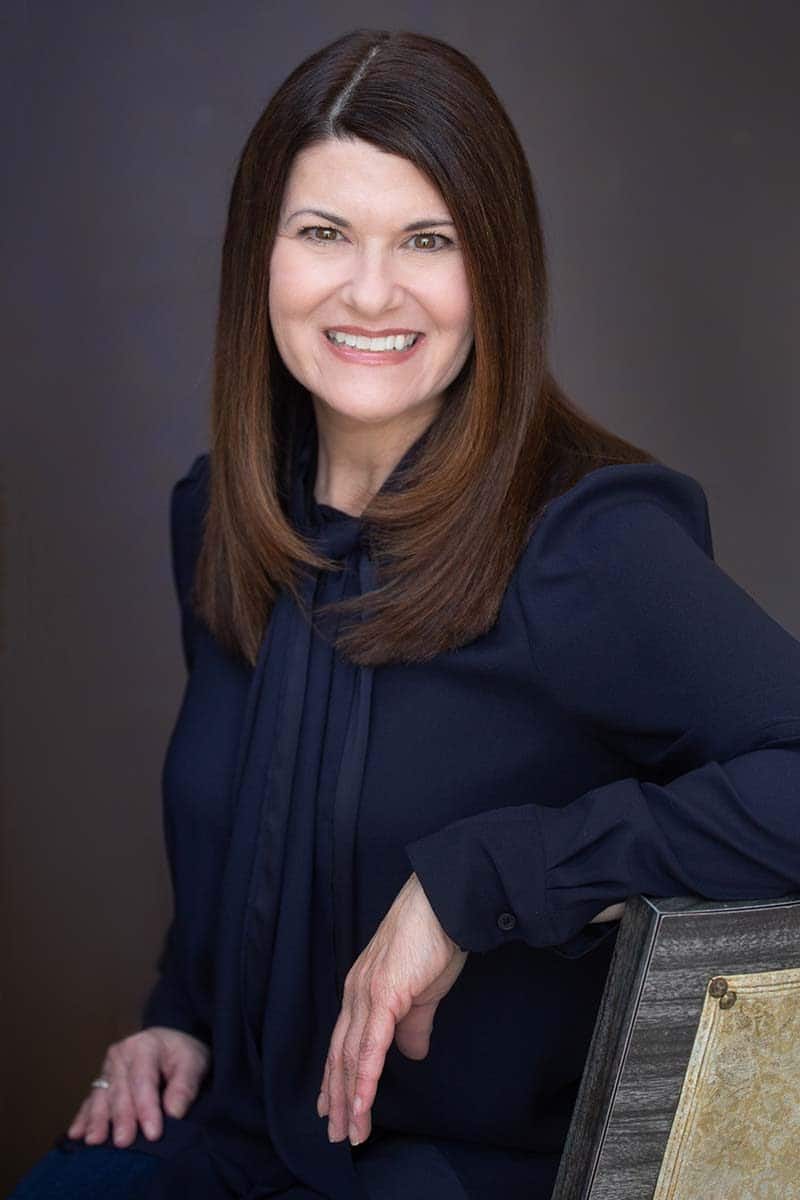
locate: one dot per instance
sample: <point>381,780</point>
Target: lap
<point>90,1173</point>
<point>394,1167</point>
<point>391,1167</point>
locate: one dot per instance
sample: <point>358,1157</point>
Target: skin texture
<point>135,1068</point>
<point>377,276</point>
<point>391,992</point>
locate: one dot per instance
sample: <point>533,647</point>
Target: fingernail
<point>150,1128</point>
<point>353,1135</point>
<point>330,1132</point>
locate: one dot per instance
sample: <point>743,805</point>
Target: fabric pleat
<point>287,919</point>
<point>287,913</point>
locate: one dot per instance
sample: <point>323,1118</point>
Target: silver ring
<point>100,1083</point>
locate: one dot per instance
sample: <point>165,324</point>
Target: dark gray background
<point>663,140</point>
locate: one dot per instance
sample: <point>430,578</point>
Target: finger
<point>376,1038</point>
<point>120,1101</point>
<point>144,1076</point>
<point>322,1099</point>
<point>97,1117</point>
<point>78,1127</point>
<point>184,1074</point>
<point>413,1033</point>
<point>123,1111</point>
<point>350,1052</point>
<point>97,1106</point>
<point>337,1099</point>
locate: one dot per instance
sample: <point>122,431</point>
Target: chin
<point>369,411</point>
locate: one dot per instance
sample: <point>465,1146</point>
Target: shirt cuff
<point>481,906</point>
<point>466,891</point>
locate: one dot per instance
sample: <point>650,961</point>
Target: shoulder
<point>192,487</point>
<point>634,628</point>
<point>613,495</point>
<point>188,506</point>
<point>622,558</point>
<point>619,501</point>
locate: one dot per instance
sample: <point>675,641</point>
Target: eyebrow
<point>423,223</point>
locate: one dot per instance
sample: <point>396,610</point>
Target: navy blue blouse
<point>631,723</point>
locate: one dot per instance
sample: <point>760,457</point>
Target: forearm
<point>612,913</point>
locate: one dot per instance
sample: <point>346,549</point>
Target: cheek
<point>294,288</point>
<point>454,303</point>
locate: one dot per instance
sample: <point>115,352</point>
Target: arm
<point>638,634</point>
<point>168,1004</point>
<point>171,1049</point>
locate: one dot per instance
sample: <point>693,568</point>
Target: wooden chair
<point>691,1089</point>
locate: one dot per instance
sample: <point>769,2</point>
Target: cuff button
<point>506,920</point>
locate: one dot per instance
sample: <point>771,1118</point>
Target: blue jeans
<point>91,1173</point>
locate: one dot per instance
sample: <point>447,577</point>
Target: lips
<point>358,331</point>
<point>373,358</point>
<point>331,337</point>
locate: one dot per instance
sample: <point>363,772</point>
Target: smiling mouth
<point>375,345</point>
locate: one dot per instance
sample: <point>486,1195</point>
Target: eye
<point>446,240</point>
<point>332,235</point>
<point>308,229</point>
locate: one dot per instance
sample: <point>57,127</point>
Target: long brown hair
<point>505,440</point>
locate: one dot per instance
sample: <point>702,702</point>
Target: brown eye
<point>429,238</point>
<point>309,229</point>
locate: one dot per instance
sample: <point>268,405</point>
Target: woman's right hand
<point>134,1068</point>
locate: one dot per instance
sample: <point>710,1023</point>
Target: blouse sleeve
<point>641,637</point>
<point>168,1003</point>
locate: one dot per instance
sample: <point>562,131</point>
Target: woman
<point>463,676</point>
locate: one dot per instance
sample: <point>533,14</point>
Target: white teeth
<point>397,341</point>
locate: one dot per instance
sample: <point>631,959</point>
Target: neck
<point>354,458</point>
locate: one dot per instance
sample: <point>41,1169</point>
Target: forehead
<point>358,180</point>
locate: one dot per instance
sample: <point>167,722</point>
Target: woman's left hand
<point>391,991</point>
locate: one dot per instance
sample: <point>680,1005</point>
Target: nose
<point>372,286</point>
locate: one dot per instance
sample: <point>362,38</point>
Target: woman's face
<point>353,264</point>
